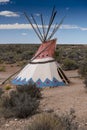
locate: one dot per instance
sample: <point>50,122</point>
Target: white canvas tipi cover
<point>43,69</point>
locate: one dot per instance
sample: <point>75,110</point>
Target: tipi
<point>42,68</point>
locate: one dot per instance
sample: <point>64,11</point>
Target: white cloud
<point>9,14</point>
<point>37,14</point>
<point>4,1</point>
<point>24,34</point>
<point>28,26</point>
<point>73,27</point>
<point>15,26</point>
<point>83,29</point>
<point>69,27</point>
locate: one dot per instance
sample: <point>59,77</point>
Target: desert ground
<point>59,99</point>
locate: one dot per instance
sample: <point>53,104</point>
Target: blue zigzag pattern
<point>39,83</point>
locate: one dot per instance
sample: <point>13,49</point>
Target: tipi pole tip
<point>33,26</point>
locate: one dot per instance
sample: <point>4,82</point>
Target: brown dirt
<point>62,99</point>
<point>10,69</point>
<point>59,99</point>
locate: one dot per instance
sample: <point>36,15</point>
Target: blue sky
<point>14,28</point>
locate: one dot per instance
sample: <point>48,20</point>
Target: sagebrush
<point>30,89</point>
<point>50,121</point>
<point>45,121</point>
<point>69,64</point>
<point>18,103</point>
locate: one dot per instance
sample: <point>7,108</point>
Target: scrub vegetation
<point>23,102</point>
<point>20,53</point>
<point>19,102</point>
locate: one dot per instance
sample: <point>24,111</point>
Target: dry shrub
<point>45,121</point>
<point>69,64</point>
<point>2,69</point>
<point>49,121</point>
<point>19,104</point>
<point>1,91</point>
<point>85,82</point>
<point>30,89</point>
<point>8,87</point>
<point>83,71</point>
<point>83,68</point>
<point>68,120</point>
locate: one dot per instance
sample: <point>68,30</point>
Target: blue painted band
<point>39,83</point>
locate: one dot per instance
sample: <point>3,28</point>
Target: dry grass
<point>46,121</point>
<point>2,69</point>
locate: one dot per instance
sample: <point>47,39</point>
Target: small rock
<point>86,123</point>
<point>16,119</point>
<point>49,110</point>
<point>7,125</point>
